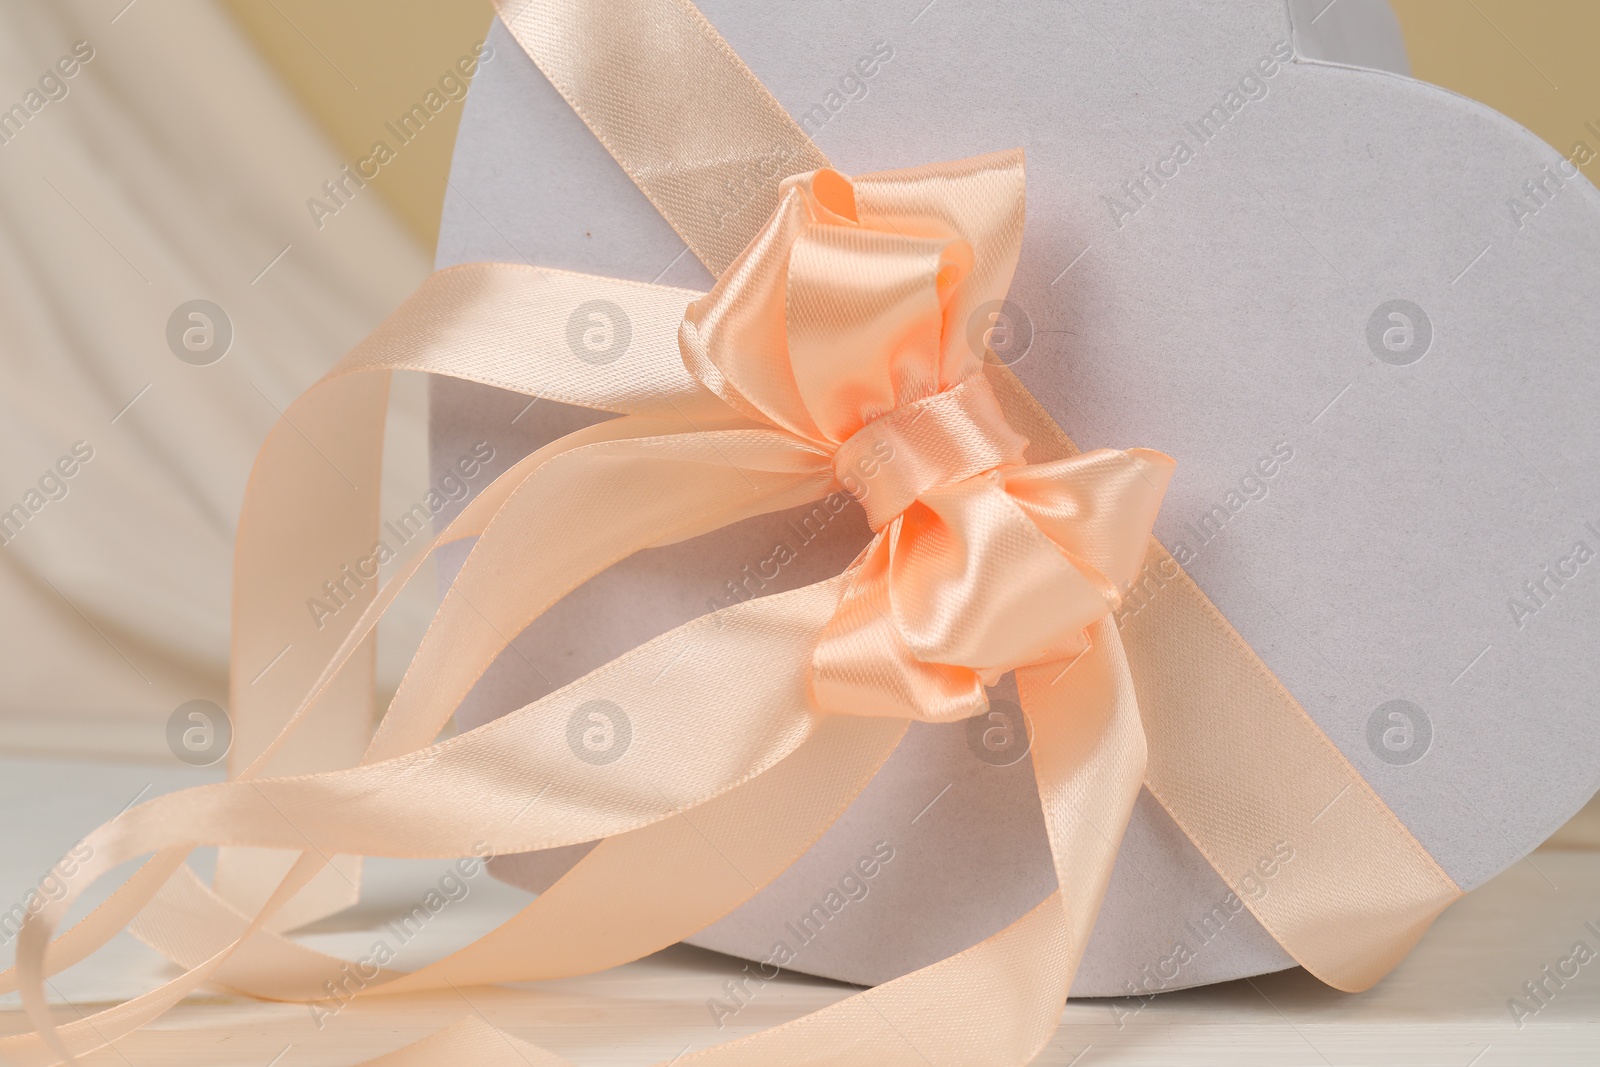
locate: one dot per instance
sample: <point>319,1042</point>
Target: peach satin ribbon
<point>983,565</point>
<point>831,352</point>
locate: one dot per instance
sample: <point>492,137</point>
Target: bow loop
<point>977,578</point>
<point>852,301</point>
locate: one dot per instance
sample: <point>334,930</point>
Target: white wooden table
<point>1446,1005</point>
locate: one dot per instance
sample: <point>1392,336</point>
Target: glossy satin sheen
<point>832,352</point>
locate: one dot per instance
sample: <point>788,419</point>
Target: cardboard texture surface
<point>1312,285</point>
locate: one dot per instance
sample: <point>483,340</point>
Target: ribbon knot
<point>938,441</point>
<point>844,325</point>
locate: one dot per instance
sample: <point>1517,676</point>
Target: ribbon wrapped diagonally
<point>833,351</point>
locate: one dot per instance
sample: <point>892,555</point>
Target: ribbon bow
<point>847,324</point>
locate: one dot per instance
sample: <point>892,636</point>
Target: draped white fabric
<point>172,165</point>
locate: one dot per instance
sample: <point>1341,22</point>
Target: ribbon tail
<point>600,913</point>
<point>578,514</point>
<point>1089,759</point>
<point>189,924</point>
<point>469,794</point>
<point>702,866</point>
<point>581,509</point>
<point>404,728</point>
<point>399,728</point>
<point>51,1045</point>
<point>633,489</point>
<point>322,458</point>
<point>1361,889</point>
<point>311,505</point>
<point>103,923</point>
<point>998,1002</point>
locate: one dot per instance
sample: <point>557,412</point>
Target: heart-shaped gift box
<point>1362,628</point>
<point>1356,309</point>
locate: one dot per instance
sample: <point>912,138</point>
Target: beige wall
<point>357,64</point>
<point>1537,61</point>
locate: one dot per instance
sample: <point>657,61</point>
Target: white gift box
<point>1357,309</point>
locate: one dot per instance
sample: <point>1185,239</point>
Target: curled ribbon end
<point>1155,460</point>
<point>835,193</point>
